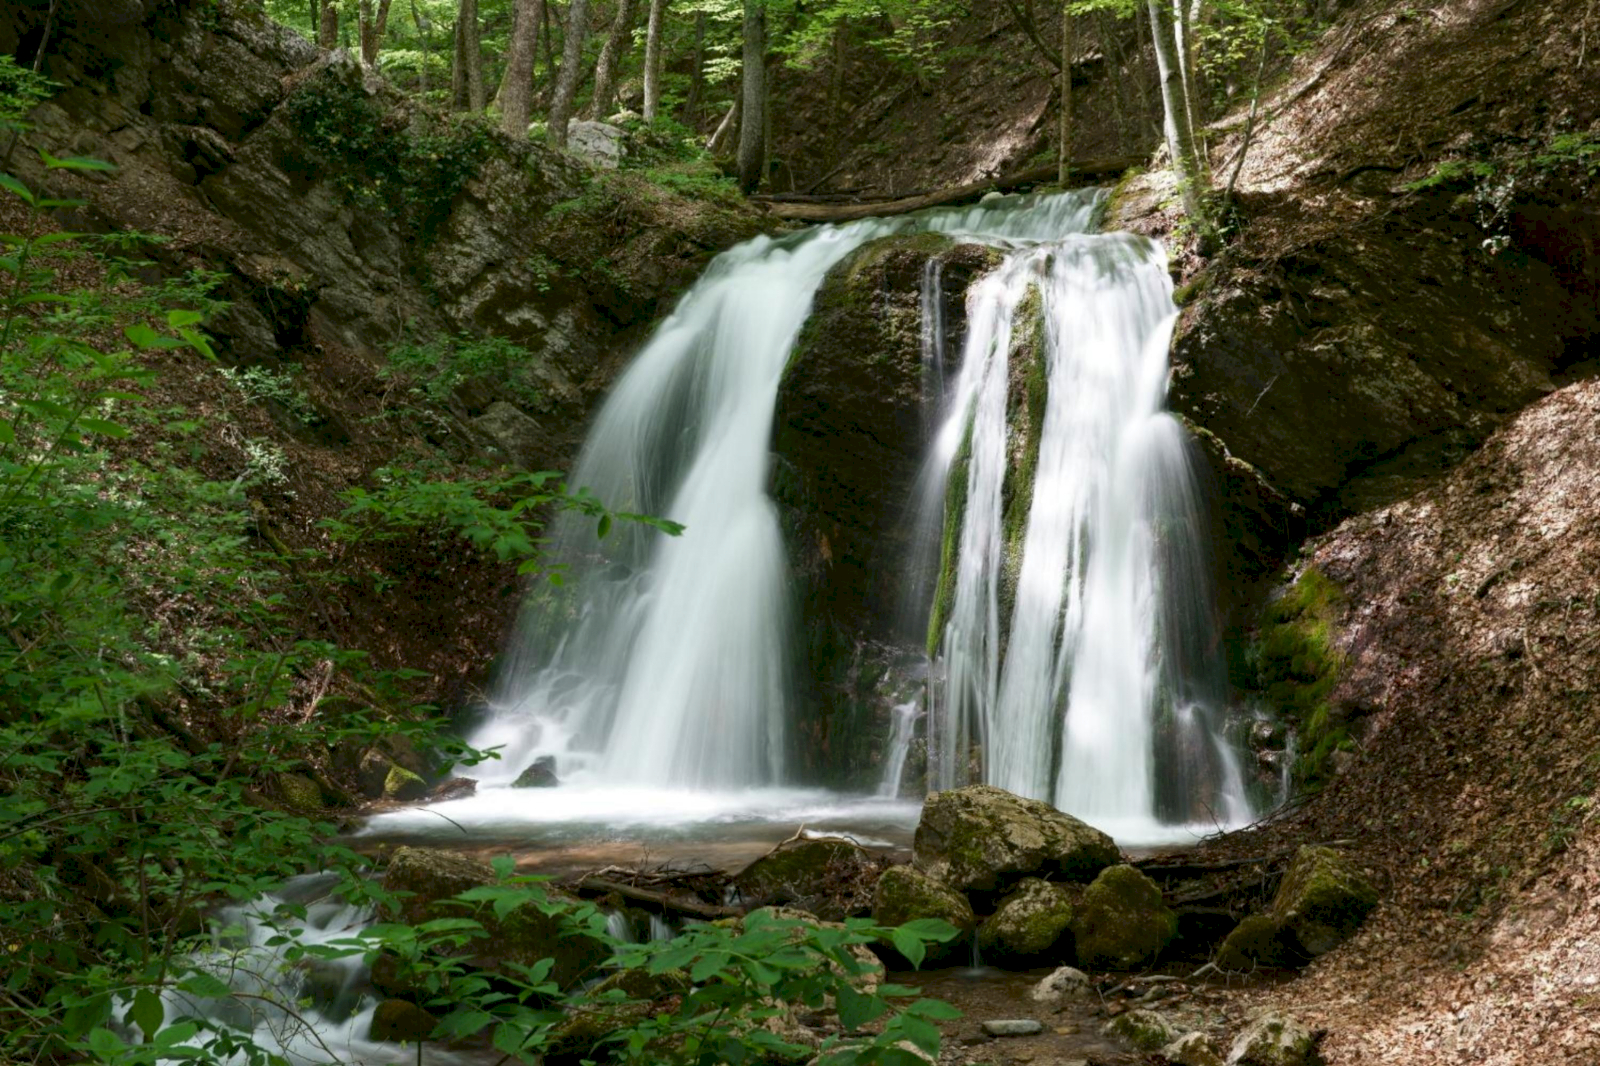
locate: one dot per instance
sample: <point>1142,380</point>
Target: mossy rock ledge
<point>432,877</point>
<point>906,894</point>
<point>1122,922</point>
<point>983,840</point>
<point>817,875</point>
<point>1032,924</point>
<point>1323,899</point>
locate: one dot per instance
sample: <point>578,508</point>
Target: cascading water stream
<point>663,661</point>
<point>1076,650</point>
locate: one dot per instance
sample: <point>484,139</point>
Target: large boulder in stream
<point>905,894</point>
<point>982,840</point>
<point>1323,899</point>
<point>426,882</point>
<point>828,877</point>
<point>1122,923</point>
<point>1033,923</point>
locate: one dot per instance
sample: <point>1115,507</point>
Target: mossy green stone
<point>1032,924</point>
<point>401,784</point>
<point>1254,942</point>
<point>1323,899</point>
<point>396,1021</point>
<point>299,792</point>
<point>905,894</point>
<point>984,839</point>
<point>802,872</point>
<point>1144,1029</point>
<point>1122,922</point>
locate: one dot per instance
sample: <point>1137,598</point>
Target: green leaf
<point>857,1009</point>
<point>106,1044</point>
<point>910,945</point>
<point>922,1033</point>
<point>15,187</point>
<point>708,966</point>
<point>208,986</point>
<point>605,526</point>
<point>180,319</point>
<point>74,162</point>
<point>936,1009</point>
<point>7,434</point>
<point>147,1013</point>
<point>104,428</point>
<point>936,929</point>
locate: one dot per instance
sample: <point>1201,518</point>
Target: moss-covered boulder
<point>396,1021</point>
<point>1143,1029</point>
<point>849,436</point>
<point>299,792</point>
<point>905,894</point>
<point>1192,1049</point>
<point>1122,923</point>
<point>1255,942</point>
<point>981,839</point>
<point>1032,924</point>
<point>541,774</point>
<point>828,877</point>
<point>1274,1040</point>
<point>1323,899</point>
<point>425,880</point>
<point>382,777</point>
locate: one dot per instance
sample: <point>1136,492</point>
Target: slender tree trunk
<point>425,34</point>
<point>328,27</point>
<point>725,130</point>
<point>516,88</point>
<point>466,77</point>
<point>1180,140</point>
<point>697,76</point>
<point>315,9</point>
<point>373,27</point>
<point>753,122</point>
<point>1185,13</point>
<point>549,41</point>
<point>1068,49</point>
<point>836,93</point>
<point>652,59</point>
<point>567,81</point>
<point>617,45</point>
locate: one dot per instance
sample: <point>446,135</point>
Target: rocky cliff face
<point>1414,261</point>
<point>345,226</point>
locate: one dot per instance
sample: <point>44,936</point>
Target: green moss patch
<point>1298,667</point>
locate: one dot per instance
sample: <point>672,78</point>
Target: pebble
<point>1013,1027</point>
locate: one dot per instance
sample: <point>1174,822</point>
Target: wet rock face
<point>983,840</point>
<point>849,435</point>
<point>346,219</point>
<point>429,878</point>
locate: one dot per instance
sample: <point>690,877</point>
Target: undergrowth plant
<point>156,742</point>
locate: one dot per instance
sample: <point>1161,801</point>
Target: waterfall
<point>1071,624</point>
<point>1077,652</point>
<point>663,661</point>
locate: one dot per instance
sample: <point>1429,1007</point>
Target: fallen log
<point>1084,171</point>
<point>592,887</point>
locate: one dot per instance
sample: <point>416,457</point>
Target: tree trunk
<point>697,76</point>
<point>1068,47</point>
<point>617,45</point>
<point>425,34</point>
<point>725,130</point>
<point>652,59</point>
<point>516,88</point>
<point>567,81</point>
<point>1184,15</point>
<point>753,122</point>
<point>328,28</point>
<point>466,76</point>
<point>1175,106</point>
